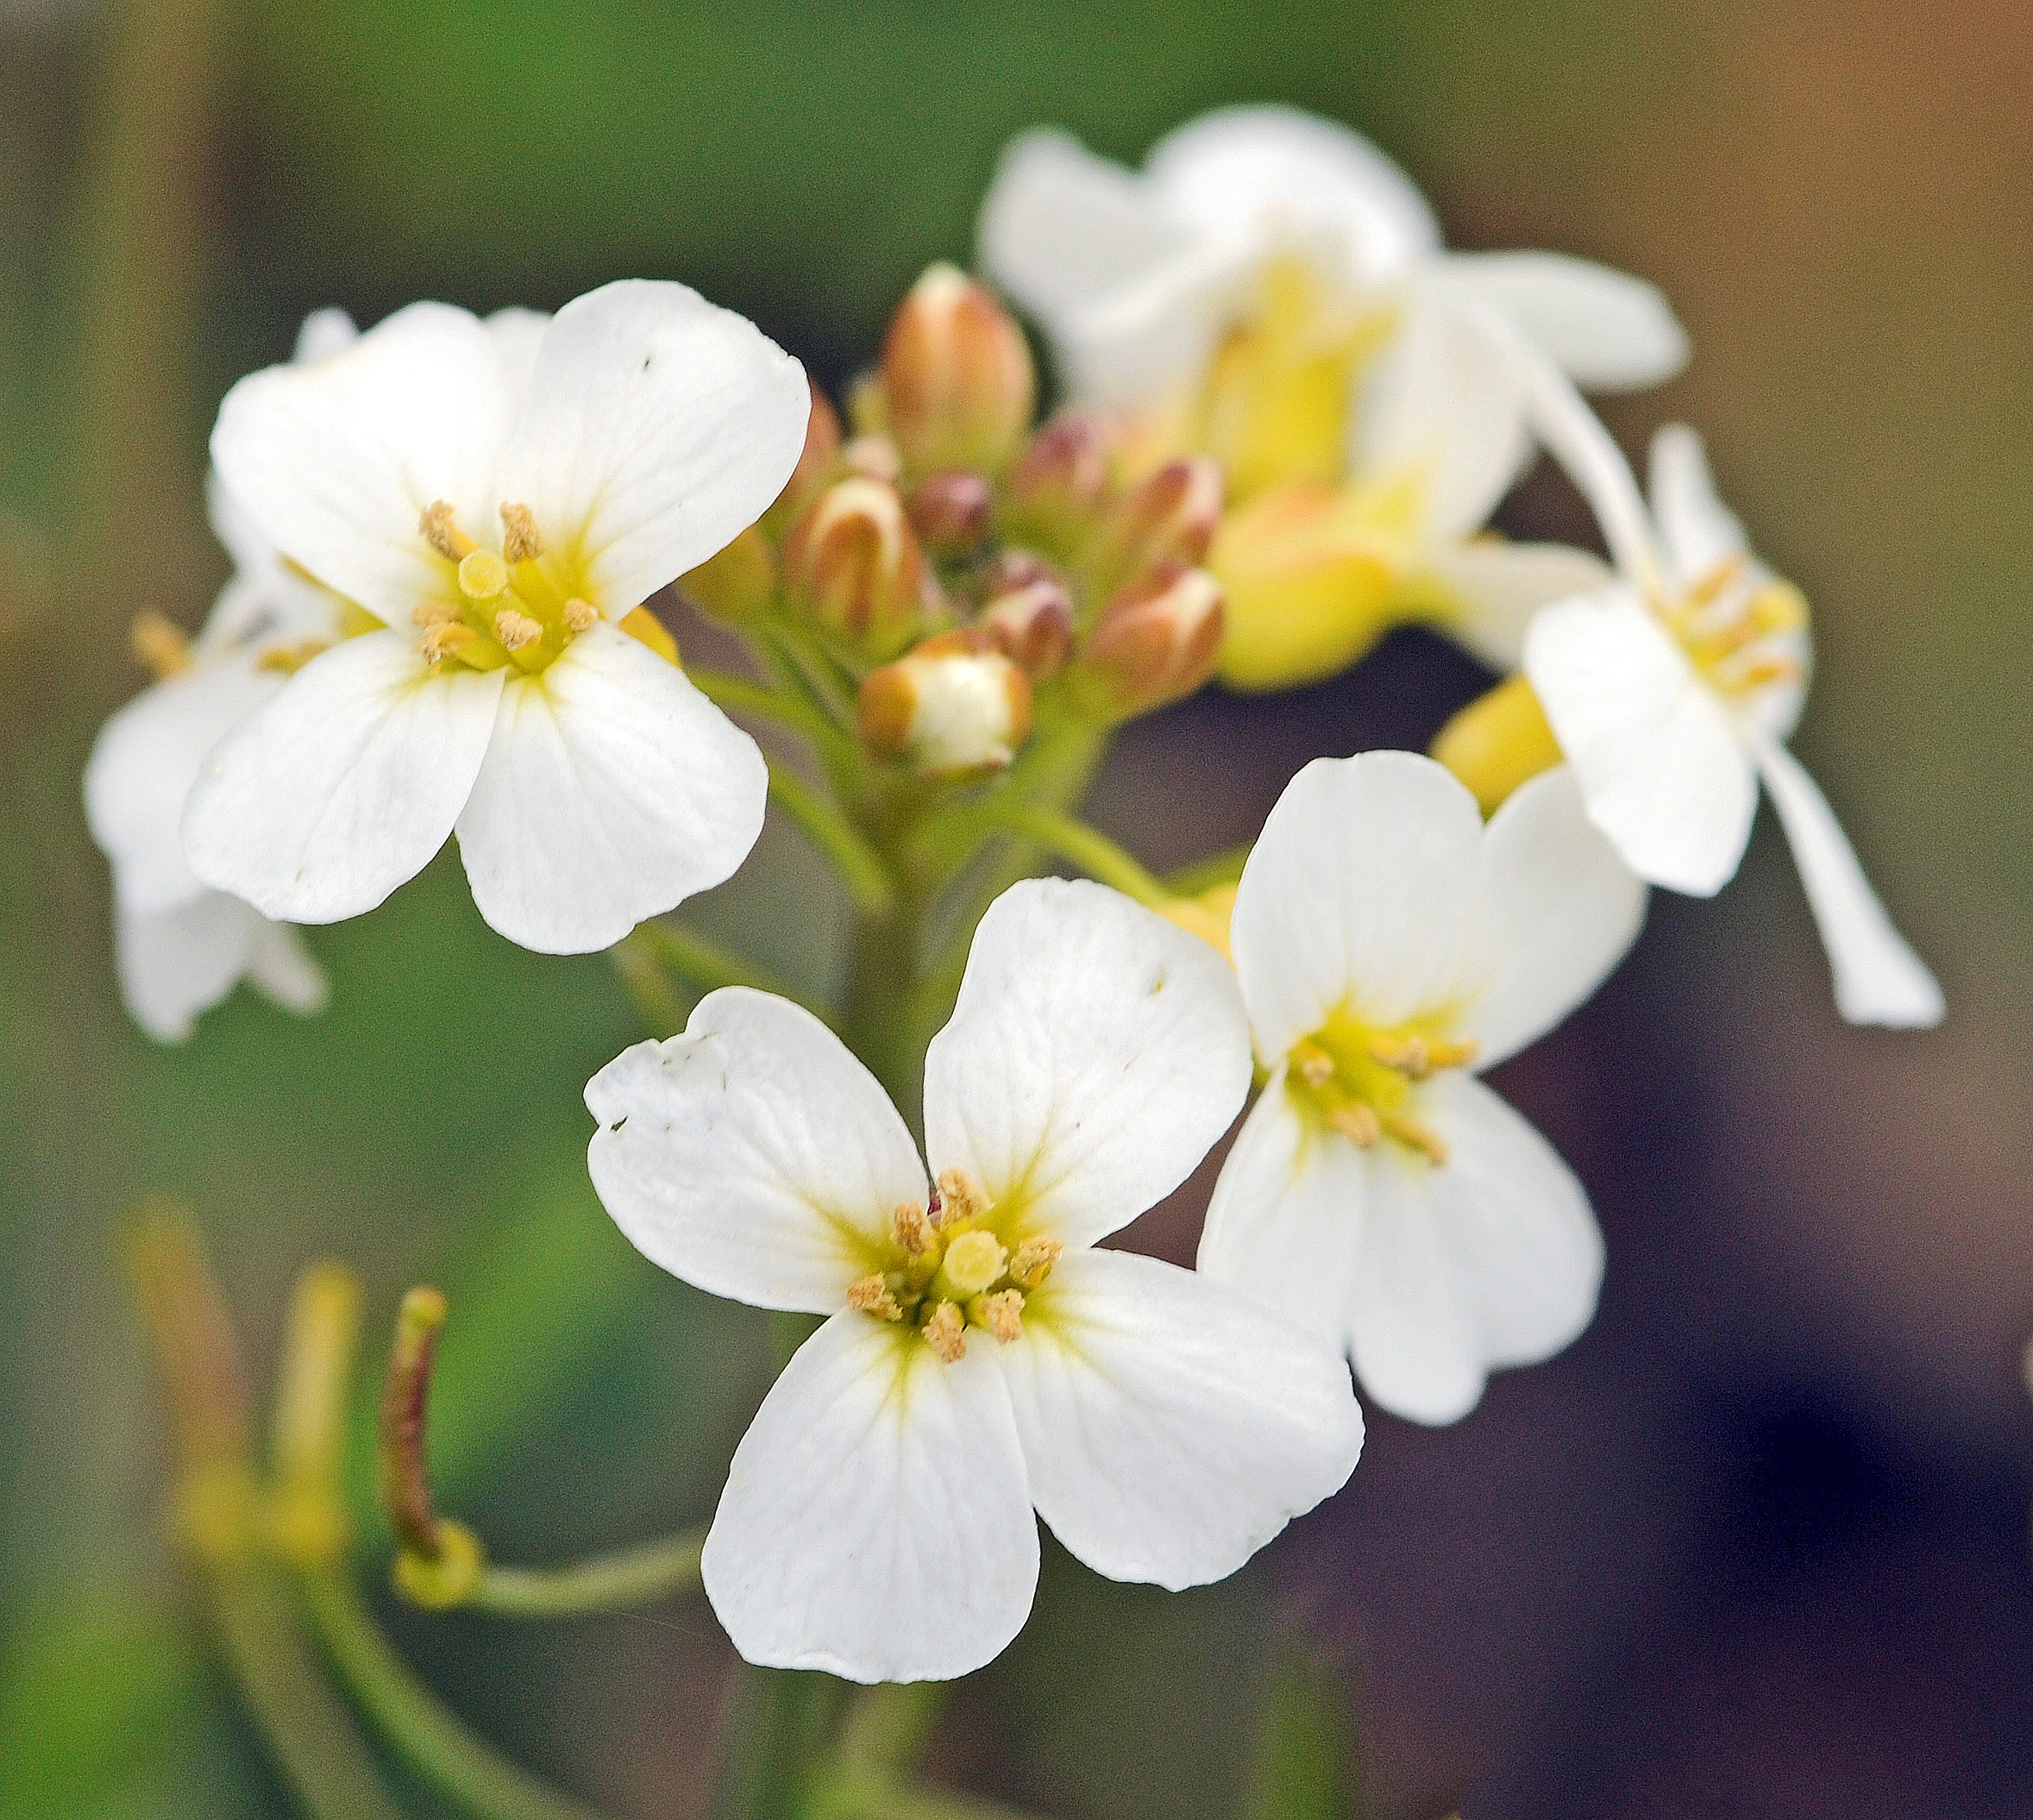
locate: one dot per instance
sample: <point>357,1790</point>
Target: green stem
<point>1224,867</point>
<point>657,1003</point>
<point>849,1793</point>
<point>738,696</point>
<point>1070,838</point>
<point>861,867</point>
<point>782,1720</point>
<point>436,1744</point>
<point>702,964</point>
<point>639,1575</point>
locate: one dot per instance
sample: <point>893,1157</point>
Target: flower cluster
<point>1290,414</point>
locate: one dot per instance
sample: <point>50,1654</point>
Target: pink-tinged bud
<point>1059,482</point>
<point>1169,516</point>
<point>1155,641</point>
<point>950,510</point>
<point>737,584</point>
<point>1015,568</point>
<point>951,708</point>
<point>853,564</point>
<point>815,466</point>
<point>958,387</point>
<point>1030,625</point>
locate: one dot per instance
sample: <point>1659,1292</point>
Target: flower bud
<point>950,707</point>
<point>739,582</point>
<point>951,510</point>
<point>1032,624</point>
<point>852,561</point>
<point>1169,516</point>
<point>1059,482</point>
<point>958,382</point>
<point>815,464</point>
<point>1499,741</point>
<point>1155,641</point>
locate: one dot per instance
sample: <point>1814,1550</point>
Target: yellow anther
<point>1416,1056</point>
<point>945,1332</point>
<point>1002,1314</point>
<point>913,1228</point>
<point>961,1197</point>
<point>975,1261</point>
<point>513,630</point>
<point>160,644</point>
<point>433,612</point>
<point>872,1297</point>
<point>482,575</point>
<point>441,533</point>
<point>581,616</point>
<point>1421,1138</point>
<point>1767,672</point>
<point>445,641</point>
<point>1357,1120</point>
<point>521,541</point>
<point>1312,1063</point>
<point>286,660</point>
<point>1718,580</point>
<point>1033,1261</point>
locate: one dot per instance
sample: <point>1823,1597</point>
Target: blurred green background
<point>1757,1546</point>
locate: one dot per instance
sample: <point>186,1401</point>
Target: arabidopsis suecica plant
<point>1389,947</point>
<point>980,1357</point>
<point>181,947</point>
<point>501,502</point>
<point>1674,689</point>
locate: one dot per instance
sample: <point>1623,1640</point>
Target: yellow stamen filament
<point>1767,671</point>
<point>581,616</point>
<point>1718,580</point>
<point>482,575</point>
<point>1002,1314</point>
<point>286,660</point>
<point>513,630</point>
<point>445,641</point>
<point>913,1228</point>
<point>1033,1261</point>
<point>871,1296</point>
<point>1358,1122</point>
<point>1416,1057</point>
<point>1314,1064</point>
<point>521,541</point>
<point>442,534</point>
<point>160,644</point>
<point>945,1332</point>
<point>1421,1138</point>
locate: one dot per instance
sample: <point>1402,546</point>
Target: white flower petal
<point>1661,764</point>
<point>612,790</point>
<point>1141,339</point>
<point>1094,1055</point>
<point>344,785</point>
<point>334,463</point>
<point>140,770</point>
<point>1172,1426</point>
<point>876,1522</point>
<point>175,963</point>
<point>1497,586</point>
<point>751,1155</point>
<point>283,970</point>
<point>517,334</point>
<point>1606,331</point>
<point>1698,531</point>
<point>323,332</point>
<point>1446,401</point>
<point>1272,174</point>
<point>1359,891</point>
<point>1285,1222</point>
<point>1879,978</point>
<point>655,429</point>
<point>1557,908</point>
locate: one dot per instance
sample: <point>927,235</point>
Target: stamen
<point>945,1332</point>
<point>433,612</point>
<point>581,616</point>
<point>442,534</point>
<point>286,660</point>
<point>872,1297</point>
<point>1718,580</point>
<point>1766,672</point>
<point>1314,1065</point>
<point>445,641</point>
<point>1357,1121</point>
<point>482,575</point>
<point>913,1228</point>
<point>512,630</point>
<point>521,541</point>
<point>961,1197</point>
<point>160,644</point>
<point>974,1261</point>
<point>1002,1314</point>
<point>1417,1057</point>
<point>1033,1261</point>
<point>1419,1137</point>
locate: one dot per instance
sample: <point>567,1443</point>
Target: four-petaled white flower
<point>1673,691</point>
<point>1389,945</point>
<point>180,946</point>
<point>502,505</point>
<point>980,1357</point>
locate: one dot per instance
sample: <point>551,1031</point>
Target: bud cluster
<point>969,572</point>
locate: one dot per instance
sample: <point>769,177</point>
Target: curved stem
<point>738,696</point>
<point>849,1793</point>
<point>437,1745</point>
<point>861,867</point>
<point>639,1575</point>
<point>700,963</point>
<point>1071,839</point>
<point>1224,867</point>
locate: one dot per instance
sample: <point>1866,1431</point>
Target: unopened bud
<point>1155,641</point>
<point>815,465</point>
<point>737,584</point>
<point>854,563</point>
<point>951,707</point>
<point>951,510</point>
<point>1497,742</point>
<point>1032,624</point>
<point>1168,516</point>
<point>1059,483</point>
<point>958,382</point>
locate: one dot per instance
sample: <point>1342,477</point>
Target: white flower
<point>181,947</point>
<point>1136,277</point>
<point>980,1357</point>
<point>1673,691</point>
<point>1389,947</point>
<point>501,498</point>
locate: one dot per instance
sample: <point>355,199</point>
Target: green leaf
<point>1302,1766</point>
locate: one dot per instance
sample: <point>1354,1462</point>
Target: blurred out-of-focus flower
<point>502,498</point>
<point>980,1355</point>
<point>1390,947</point>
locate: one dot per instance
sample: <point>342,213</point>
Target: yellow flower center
<point>1744,633</point>
<point>1362,1080</point>
<point>946,1267</point>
